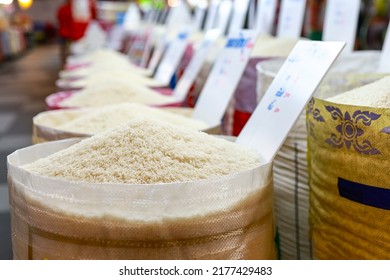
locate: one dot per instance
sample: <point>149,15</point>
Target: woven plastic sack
<point>230,217</point>
<point>45,123</point>
<point>349,159</point>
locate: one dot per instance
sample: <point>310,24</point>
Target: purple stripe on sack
<point>364,194</point>
<point>386,130</point>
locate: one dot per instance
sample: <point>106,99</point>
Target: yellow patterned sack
<point>349,177</point>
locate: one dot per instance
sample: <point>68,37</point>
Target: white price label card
<point>252,14</point>
<point>266,11</point>
<point>151,16</point>
<point>172,57</point>
<point>240,9</point>
<point>340,22</point>
<point>148,46</point>
<point>385,57</point>
<point>287,96</point>
<point>157,54</point>
<point>211,14</point>
<point>140,49</point>
<point>183,86</point>
<point>200,12</point>
<point>291,17</point>
<point>224,77</point>
<point>223,15</point>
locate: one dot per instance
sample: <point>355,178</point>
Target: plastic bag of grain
<point>349,159</point>
<point>73,123</point>
<point>145,190</point>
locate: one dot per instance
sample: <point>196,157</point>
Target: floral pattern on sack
<point>350,132</point>
<point>315,112</point>
<point>312,113</point>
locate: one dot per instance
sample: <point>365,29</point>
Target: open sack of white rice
<point>102,61</point>
<point>349,173</point>
<point>109,75</point>
<point>69,123</point>
<point>97,56</point>
<point>290,164</point>
<point>95,69</point>
<point>108,93</point>
<point>144,190</point>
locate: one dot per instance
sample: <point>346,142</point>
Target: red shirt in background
<point>64,16</point>
<point>69,27</point>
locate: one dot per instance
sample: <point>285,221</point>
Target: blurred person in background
<point>64,17</point>
<point>73,19</point>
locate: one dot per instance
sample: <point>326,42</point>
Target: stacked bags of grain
<point>144,190</point>
<point>349,159</point>
<point>290,164</point>
<point>63,124</point>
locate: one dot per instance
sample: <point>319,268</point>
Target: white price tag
<point>223,15</point>
<point>340,22</point>
<point>211,14</point>
<point>291,18</point>
<point>240,9</point>
<point>385,57</point>
<point>140,49</point>
<point>172,57</point>
<point>157,54</point>
<point>183,86</point>
<point>266,10</point>
<point>200,12</point>
<point>287,95</point>
<point>224,77</point>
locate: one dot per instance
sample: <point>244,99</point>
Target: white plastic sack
<point>230,217</point>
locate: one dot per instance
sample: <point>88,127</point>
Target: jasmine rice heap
<point>376,94</point>
<point>101,119</point>
<point>146,151</point>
